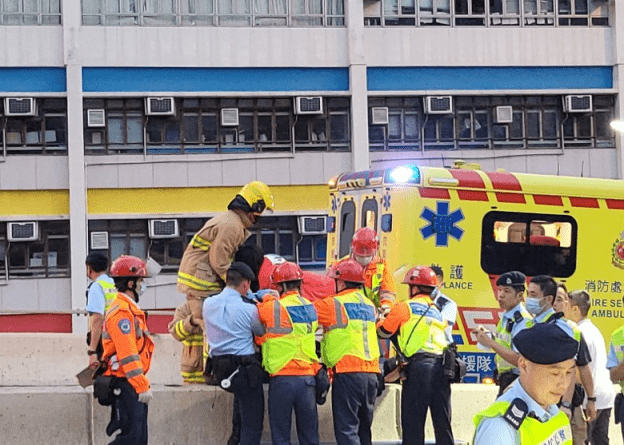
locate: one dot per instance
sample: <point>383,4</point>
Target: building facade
<point>127,123</point>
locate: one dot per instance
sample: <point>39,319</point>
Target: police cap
<point>242,269</point>
<point>513,278</point>
<point>545,344</point>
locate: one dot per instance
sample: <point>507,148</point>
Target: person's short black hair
<point>581,299</point>
<point>97,261</point>
<point>547,285</point>
<point>437,270</point>
<point>253,256</point>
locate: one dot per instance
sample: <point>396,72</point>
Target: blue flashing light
<point>404,174</point>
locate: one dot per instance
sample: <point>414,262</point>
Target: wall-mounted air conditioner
<point>96,118</point>
<point>20,106</point>
<point>504,114</point>
<point>229,117</point>
<point>309,105</point>
<point>163,228</point>
<point>577,104</point>
<point>379,116</point>
<point>22,231</point>
<point>438,104</point>
<point>99,240</point>
<point>312,225</point>
<point>159,106</point>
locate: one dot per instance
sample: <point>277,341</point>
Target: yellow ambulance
<point>477,225</point>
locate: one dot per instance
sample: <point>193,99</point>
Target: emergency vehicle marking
<point>516,198</point>
<point>590,203</point>
<point>617,204</point>
<point>427,192</point>
<point>504,181</point>
<point>385,201</point>
<point>442,224</point>
<point>468,178</point>
<point>124,326</point>
<point>548,200</point>
<point>335,204</point>
<point>469,195</point>
<point>473,317</point>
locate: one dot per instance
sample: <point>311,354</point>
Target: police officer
<point>128,352</point>
<point>510,295</point>
<point>527,413</point>
<point>446,306</point>
<point>100,293</point>
<point>350,347</point>
<point>421,340</point>
<point>289,356</point>
<point>231,320</point>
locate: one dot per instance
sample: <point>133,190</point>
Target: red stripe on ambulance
<point>548,200</point>
<point>516,198</point>
<point>426,192</point>
<point>468,178</point>
<point>469,195</point>
<point>615,204</point>
<point>504,181</point>
<point>590,203</point>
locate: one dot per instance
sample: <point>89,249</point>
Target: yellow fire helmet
<point>258,196</point>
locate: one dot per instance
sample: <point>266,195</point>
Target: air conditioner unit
<point>99,240</point>
<point>96,118</point>
<point>577,104</point>
<point>163,228</point>
<point>312,225</point>
<point>229,117</point>
<point>309,105</point>
<point>20,106</point>
<point>379,116</point>
<point>24,231</point>
<point>159,106</point>
<point>438,104</point>
<point>504,114</point>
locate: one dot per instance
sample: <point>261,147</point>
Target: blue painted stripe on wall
<point>488,78</point>
<point>36,80</point>
<point>215,79</point>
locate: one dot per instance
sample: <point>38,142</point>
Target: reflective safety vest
<point>127,345</point>
<point>374,292</point>
<point>503,337</point>
<point>424,331</point>
<point>555,431</point>
<point>617,339</point>
<point>291,337</point>
<point>357,336</point>
<point>110,291</point>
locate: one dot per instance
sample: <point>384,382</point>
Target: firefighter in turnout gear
<point>289,356</point>
<point>422,341</point>
<point>128,352</point>
<point>350,348</point>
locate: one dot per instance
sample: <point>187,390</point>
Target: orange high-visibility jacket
<point>127,345</point>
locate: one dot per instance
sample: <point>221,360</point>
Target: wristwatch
<point>591,399</point>
<point>91,352</point>
<point>566,405</point>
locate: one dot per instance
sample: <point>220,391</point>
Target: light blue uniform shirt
<point>231,322</point>
<point>449,311</point>
<point>95,295</point>
<point>612,360</point>
<point>497,431</point>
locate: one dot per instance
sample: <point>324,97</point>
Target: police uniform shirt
<point>516,327</point>
<point>96,301</point>
<point>448,309</point>
<point>230,322</point>
<point>612,360</point>
<point>582,357</point>
<point>497,431</point>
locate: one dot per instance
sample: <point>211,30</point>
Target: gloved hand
<point>146,397</point>
<point>264,292</point>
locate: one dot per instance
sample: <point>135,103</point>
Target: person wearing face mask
<point>540,298</point>
<point>128,352</point>
<point>510,294</point>
<point>527,413</point>
<point>231,321</point>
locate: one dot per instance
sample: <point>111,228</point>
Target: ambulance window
<point>347,227</point>
<point>533,244</point>
<point>369,213</point>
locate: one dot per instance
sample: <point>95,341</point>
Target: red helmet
<point>421,276</point>
<point>128,266</point>
<point>287,271</point>
<point>364,242</point>
<point>348,270</point>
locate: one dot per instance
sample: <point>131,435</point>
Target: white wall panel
<point>54,294</point>
<point>20,295</point>
<point>52,172</point>
<point>213,46</point>
<point>488,46</point>
<point>31,46</point>
<point>18,173</point>
<point>171,175</point>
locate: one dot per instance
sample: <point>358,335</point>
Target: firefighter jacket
<point>192,339</point>
<point>288,347</point>
<point>350,339</point>
<point>127,345</point>
<point>210,252</point>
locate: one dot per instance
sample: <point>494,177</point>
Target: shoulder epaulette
<point>516,413</point>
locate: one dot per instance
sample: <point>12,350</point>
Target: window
<point>47,256</point>
<point>534,244</point>
<point>264,125</point>
<point>313,251</point>
<point>347,227</point>
<point>295,13</point>
<point>536,122</point>
<point>45,133</point>
<point>478,13</point>
<point>370,210</point>
<point>30,12</point>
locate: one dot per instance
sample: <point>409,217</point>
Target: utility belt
<point>106,388</point>
<point>236,372</point>
<point>422,356</point>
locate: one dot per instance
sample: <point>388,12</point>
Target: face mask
<point>533,306</point>
<point>364,260</point>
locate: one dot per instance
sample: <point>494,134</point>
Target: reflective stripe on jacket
<point>110,291</point>
<point>424,331</point>
<point>503,337</point>
<point>357,336</point>
<point>192,339</point>
<point>127,345</point>
<point>290,323</point>
<point>533,432</point>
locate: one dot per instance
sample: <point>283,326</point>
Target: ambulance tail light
<point>386,222</point>
<point>404,174</point>
<point>330,224</point>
